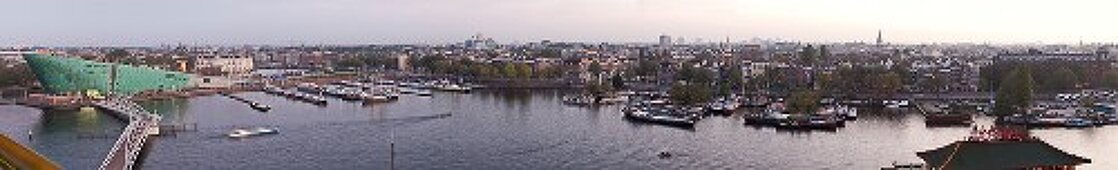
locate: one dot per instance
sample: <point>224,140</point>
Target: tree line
<point>1054,76</point>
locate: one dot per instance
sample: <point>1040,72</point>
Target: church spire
<point>879,40</point>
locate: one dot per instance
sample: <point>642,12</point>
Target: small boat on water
<point>907,166</point>
<point>423,93</point>
<point>309,88</point>
<point>895,104</point>
<point>260,106</point>
<point>814,122</point>
<point>757,102</point>
<point>723,106</point>
<point>773,115</point>
<point>274,90</point>
<point>376,98</point>
<point>455,88</point>
<point>844,112</point>
<point>945,115</point>
<point>1077,122</point>
<point>316,99</point>
<point>579,100</point>
<point>408,91</point>
<point>716,107</point>
<point>662,116</point>
<point>448,86</point>
<point>948,119</point>
<point>386,83</point>
<point>586,100</point>
<point>243,133</point>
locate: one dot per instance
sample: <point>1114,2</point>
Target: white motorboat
<point>242,133</point>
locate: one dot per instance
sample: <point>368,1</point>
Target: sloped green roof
<point>68,74</point>
<point>998,155</point>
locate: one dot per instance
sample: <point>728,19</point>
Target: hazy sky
<point>228,22</point>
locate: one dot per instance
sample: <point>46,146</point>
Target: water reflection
<point>172,110</point>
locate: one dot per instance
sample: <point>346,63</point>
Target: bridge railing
<point>135,134</point>
<point>124,137</point>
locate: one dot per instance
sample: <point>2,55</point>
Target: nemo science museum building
<point>59,75</point>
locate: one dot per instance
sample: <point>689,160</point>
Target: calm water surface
<point>494,130</point>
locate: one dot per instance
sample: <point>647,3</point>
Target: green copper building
<point>67,74</point>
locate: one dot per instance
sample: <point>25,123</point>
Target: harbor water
<point>505,129</point>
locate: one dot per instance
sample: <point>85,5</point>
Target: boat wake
<point>420,118</point>
<point>536,149</point>
<point>395,121</point>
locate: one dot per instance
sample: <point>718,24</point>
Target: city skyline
<point>296,22</point>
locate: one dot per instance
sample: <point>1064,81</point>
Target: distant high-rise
<point>879,40</point>
<point>479,41</point>
<point>665,41</point>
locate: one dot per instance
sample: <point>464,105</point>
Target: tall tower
<point>879,40</point>
<point>665,41</point>
<point>665,48</point>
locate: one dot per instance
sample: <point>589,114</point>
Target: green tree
<point>524,71</point>
<point>724,89</point>
<point>646,68</point>
<point>825,83</point>
<point>934,84</point>
<point>1015,93</point>
<point>15,74</point>
<point>597,88</point>
<point>550,53</point>
<point>350,63</point>
<point>508,70</point>
<point>485,70</point>
<point>1063,79</point>
<point>689,94</point>
<point>736,78</point>
<point>117,55</point>
<point>803,102</point>
<point>617,81</point>
<point>443,67</point>
<point>808,55</point>
<point>428,61</point>
<point>595,68</point>
<point>695,75</point>
<point>554,71</point>
<point>824,53</point>
<point>889,83</point>
<point>1087,102</point>
<point>1110,79</point>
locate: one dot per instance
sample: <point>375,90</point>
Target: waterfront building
<point>73,75</point>
<point>223,65</point>
<point>402,63</point>
<point>10,56</point>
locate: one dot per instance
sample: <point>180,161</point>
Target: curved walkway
<point>141,125</point>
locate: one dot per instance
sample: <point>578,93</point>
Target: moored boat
<point>662,116</point>
<point>423,93</point>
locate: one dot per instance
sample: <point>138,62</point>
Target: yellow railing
<point>16,156</point>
